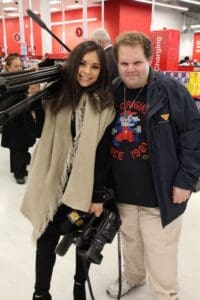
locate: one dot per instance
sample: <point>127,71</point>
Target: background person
<point>155,166</point>
<point>15,133</point>
<point>185,61</point>
<point>102,37</point>
<point>68,170</point>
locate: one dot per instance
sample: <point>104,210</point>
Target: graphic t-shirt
<point>132,173</point>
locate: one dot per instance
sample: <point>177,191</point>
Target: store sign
<point>79,31</point>
<point>158,52</point>
<point>165,49</point>
<point>17,37</point>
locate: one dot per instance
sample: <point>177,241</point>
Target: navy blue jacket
<point>173,132</point>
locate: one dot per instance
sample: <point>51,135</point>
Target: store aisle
<point>17,252</point>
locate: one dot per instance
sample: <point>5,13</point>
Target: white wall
<point>186,44</point>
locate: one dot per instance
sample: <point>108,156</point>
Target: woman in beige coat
<point>68,167</point>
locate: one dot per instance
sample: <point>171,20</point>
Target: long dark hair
<point>100,93</point>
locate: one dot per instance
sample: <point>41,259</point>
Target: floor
<point>17,252</point>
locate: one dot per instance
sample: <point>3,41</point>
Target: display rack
<point>191,80</point>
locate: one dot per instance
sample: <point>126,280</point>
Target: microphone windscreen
<point>36,18</point>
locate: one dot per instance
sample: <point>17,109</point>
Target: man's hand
<point>96,208</point>
<point>180,195</point>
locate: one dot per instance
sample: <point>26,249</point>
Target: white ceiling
<point>35,5</point>
<point>193,9</point>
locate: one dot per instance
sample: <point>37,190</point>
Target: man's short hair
<point>133,39</point>
<point>100,34</point>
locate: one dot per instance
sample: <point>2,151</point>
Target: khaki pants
<point>147,246</point>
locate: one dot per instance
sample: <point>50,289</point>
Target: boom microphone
<point>44,26</point>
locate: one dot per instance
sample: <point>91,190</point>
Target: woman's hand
<point>96,208</point>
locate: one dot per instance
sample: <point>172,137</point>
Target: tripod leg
<point>80,277</point>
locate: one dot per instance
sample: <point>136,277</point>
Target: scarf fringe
<point>37,233</point>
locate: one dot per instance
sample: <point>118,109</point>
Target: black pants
<point>19,159</point>
<point>46,257</point>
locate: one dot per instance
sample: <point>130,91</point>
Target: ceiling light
<point>195,26</point>
<point>184,27</point>
<point>54,9</point>
<point>10,8</point>
<point>13,14</point>
<point>190,1</point>
<point>74,21</point>
<point>183,8</point>
<point>52,2</point>
<point>7,1</point>
<point>74,6</point>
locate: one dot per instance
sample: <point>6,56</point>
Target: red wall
<point>196,46</point>
<point>134,17</point>
<point>120,15</point>
<point>70,29</point>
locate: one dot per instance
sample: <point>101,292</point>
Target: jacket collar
<point>156,94</point>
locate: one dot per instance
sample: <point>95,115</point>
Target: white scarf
<point>44,191</point>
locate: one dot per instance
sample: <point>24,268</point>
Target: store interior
<point>18,252</point>
<point>174,27</point>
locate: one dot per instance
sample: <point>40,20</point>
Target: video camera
<point>90,233</point>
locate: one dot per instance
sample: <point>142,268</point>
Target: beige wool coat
<point>43,194</point>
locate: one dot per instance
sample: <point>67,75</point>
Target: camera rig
<point>90,233</point>
<point>15,84</point>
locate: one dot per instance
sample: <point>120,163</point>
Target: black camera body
<point>90,233</point>
<point>92,240</point>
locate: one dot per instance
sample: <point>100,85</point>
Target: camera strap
<point>119,264</point>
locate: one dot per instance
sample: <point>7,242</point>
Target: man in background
<point>102,37</point>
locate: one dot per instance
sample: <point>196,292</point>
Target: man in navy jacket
<point>155,166</point>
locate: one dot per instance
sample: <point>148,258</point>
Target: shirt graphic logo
<point>126,128</point>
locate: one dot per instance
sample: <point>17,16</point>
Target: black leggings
<point>46,257</point>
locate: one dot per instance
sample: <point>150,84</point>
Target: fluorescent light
<point>74,6</point>
<point>183,8</point>
<point>13,14</point>
<point>73,21</point>
<point>190,1</point>
<point>184,27</point>
<point>195,26</point>
<point>10,8</point>
<point>54,9</point>
<point>7,1</point>
<point>52,2</point>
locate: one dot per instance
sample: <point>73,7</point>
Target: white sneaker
<point>113,289</point>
